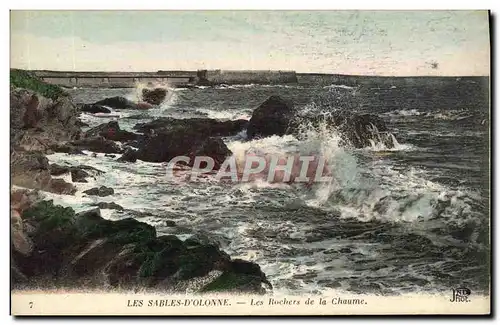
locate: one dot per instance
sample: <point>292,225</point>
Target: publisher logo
<point>460,295</point>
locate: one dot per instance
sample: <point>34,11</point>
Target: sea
<point>411,218</point>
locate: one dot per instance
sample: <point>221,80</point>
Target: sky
<point>391,43</point>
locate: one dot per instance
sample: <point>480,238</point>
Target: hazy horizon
<point>384,43</point>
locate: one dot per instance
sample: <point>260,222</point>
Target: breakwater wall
<point>265,77</point>
<point>175,78</point>
<point>101,79</point>
<point>214,77</point>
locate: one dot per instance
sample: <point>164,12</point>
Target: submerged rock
<point>100,191</point>
<point>119,102</point>
<point>96,144</point>
<point>164,146</point>
<point>109,205</point>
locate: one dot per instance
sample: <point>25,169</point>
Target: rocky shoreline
<point>54,246</point>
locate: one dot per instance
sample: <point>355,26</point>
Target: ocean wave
<point>225,114</point>
<point>464,133</point>
<point>445,115</point>
<point>405,112</point>
<point>339,86</point>
<point>377,146</point>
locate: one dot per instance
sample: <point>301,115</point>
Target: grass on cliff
<point>27,80</point>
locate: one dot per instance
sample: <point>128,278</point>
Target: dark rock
<point>183,142</point>
<point>118,103</point>
<point>93,169</point>
<point>28,161</point>
<point>240,276</point>
<point>98,144</point>
<point>201,238</point>
<point>272,117</point>
<point>57,170</point>
<point>277,117</point>
<point>109,205</point>
<point>246,267</point>
<point>78,175</point>
<point>142,116</point>
<point>111,131</point>
<point>170,223</point>
<point>154,96</point>
<point>76,171</point>
<point>130,155</point>
<point>357,129</point>
<point>89,214</point>
<point>109,155</point>
<point>67,148</point>
<point>85,248</point>
<point>101,191</point>
<point>205,126</point>
<point>94,108</point>
<point>81,124</point>
<point>16,275</point>
<point>215,148</point>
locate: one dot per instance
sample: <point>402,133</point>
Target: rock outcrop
<point>111,131</point>
<point>170,143</point>
<point>41,116</point>
<point>130,155</point>
<point>358,130</point>
<point>96,144</point>
<point>154,96</point>
<point>272,117</point>
<point>100,191</point>
<point>31,169</point>
<point>38,122</point>
<point>275,116</point>
<point>65,248</point>
<point>119,102</point>
<point>52,246</point>
<point>205,126</point>
<point>93,108</point>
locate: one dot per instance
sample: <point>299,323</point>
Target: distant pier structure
<point>101,79</point>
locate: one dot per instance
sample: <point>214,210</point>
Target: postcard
<point>232,162</point>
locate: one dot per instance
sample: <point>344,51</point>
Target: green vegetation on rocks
<point>125,252</point>
<point>27,80</point>
<point>49,215</point>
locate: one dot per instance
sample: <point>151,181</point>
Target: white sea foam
<point>339,86</point>
<point>225,114</point>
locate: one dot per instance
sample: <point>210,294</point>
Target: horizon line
<point>257,70</point>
